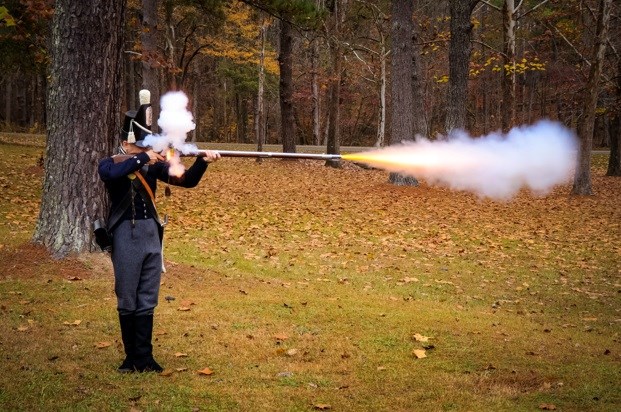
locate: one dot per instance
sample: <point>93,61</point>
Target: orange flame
<point>176,168</point>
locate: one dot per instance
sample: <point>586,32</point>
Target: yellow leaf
<point>74,323</point>
<point>183,309</point>
<point>420,338</point>
<point>181,355</point>
<point>22,328</point>
<point>101,345</point>
<point>322,406</point>
<point>205,371</point>
<point>419,353</point>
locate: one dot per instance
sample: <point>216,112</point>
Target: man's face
<point>131,148</point>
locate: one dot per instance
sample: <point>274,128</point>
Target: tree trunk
<point>419,127</point>
<point>381,118</point>
<point>315,90</point>
<point>582,178</point>
<point>8,99</point>
<point>402,121</point>
<point>285,64</point>
<point>259,116</point>
<point>459,64</point>
<point>334,110</point>
<point>171,78</point>
<point>614,161</point>
<point>83,123</point>
<point>148,38</point>
<point>508,71</point>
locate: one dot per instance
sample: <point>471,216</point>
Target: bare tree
<point>148,38</point>
<point>83,120</point>
<point>460,47</point>
<point>582,178</point>
<point>402,121</point>
<point>614,161</point>
<point>334,109</point>
<point>259,117</point>
<point>285,64</point>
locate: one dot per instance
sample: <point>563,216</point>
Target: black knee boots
<point>136,333</point>
<point>143,355</point>
<point>128,335</point>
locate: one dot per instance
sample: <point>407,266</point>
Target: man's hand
<point>154,157</point>
<point>210,155</point>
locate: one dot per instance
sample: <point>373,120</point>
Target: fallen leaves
<point>419,353</point>
<point>102,345</point>
<point>420,338</point>
<point>74,323</point>
<point>205,372</point>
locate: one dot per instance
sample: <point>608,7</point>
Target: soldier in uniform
<point>131,179</point>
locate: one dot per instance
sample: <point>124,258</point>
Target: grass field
<point>296,287</point>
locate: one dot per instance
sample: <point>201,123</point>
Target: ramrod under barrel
<point>276,155</point>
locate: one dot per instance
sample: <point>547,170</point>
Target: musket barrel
<point>276,155</point>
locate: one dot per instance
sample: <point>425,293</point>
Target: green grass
<point>306,286</point>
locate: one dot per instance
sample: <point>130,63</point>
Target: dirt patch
<point>29,261</point>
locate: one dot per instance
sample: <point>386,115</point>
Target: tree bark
<point>582,178</point>
<point>83,122</point>
<point>285,63</point>
<point>381,118</point>
<point>402,121</point>
<point>460,48</point>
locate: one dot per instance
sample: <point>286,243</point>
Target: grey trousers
<point>137,262</point>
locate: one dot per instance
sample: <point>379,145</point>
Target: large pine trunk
<point>285,63</point>
<point>83,120</point>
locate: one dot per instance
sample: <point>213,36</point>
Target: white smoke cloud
<point>175,121</point>
<point>497,166</point>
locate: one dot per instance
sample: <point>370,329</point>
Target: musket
<point>238,153</point>
<point>275,155</point>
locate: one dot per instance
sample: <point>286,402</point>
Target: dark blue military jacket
<point>116,177</point>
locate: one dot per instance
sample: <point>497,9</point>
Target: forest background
<point>214,52</point>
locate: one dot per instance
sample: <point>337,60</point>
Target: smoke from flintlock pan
<point>496,166</point>
<point>175,121</point>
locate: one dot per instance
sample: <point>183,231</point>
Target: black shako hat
<point>137,124</point>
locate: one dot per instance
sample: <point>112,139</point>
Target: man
<point>131,180</point>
